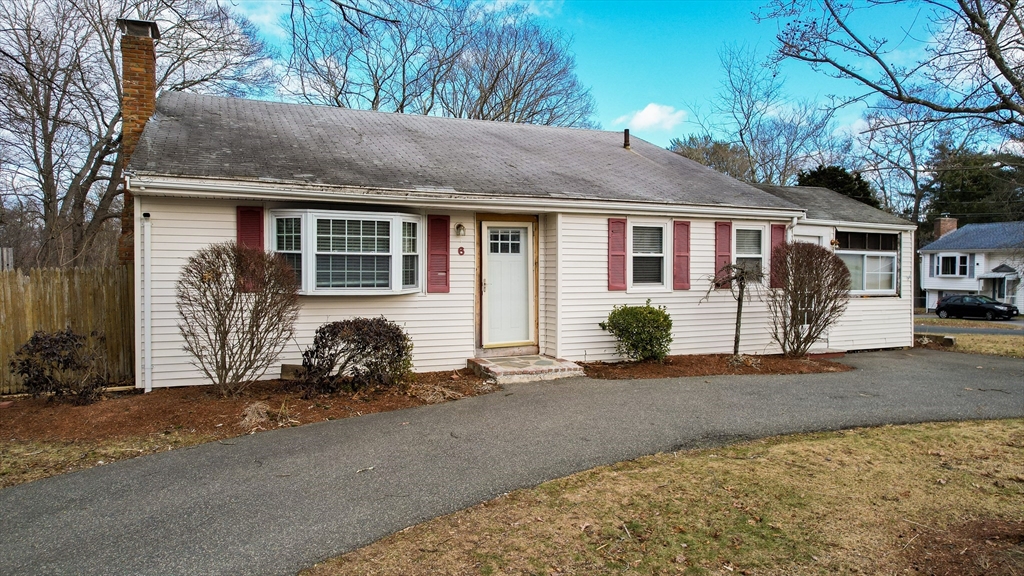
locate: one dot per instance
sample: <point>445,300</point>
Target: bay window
<point>349,252</point>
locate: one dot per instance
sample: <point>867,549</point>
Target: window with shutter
<point>648,253</point>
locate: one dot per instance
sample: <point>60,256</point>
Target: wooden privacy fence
<point>85,299</point>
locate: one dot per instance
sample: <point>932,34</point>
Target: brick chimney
<point>138,101</point>
<point>944,225</point>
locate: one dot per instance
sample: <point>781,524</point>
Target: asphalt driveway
<point>276,502</point>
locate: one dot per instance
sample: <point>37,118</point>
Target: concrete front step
<point>513,369</point>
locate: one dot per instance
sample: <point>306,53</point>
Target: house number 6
<point>462,251</point>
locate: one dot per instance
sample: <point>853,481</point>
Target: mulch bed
<point>976,548</point>
<point>201,410</point>
<point>709,365</point>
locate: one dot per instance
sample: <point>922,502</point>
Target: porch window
<point>871,258</point>
<point>350,252</point>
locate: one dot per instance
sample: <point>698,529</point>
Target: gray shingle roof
<point>993,236</point>
<point>207,136</point>
<point>825,204</point>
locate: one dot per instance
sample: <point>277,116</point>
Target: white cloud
<point>653,116</point>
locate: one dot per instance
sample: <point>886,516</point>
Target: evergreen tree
<point>974,186</point>
<point>840,180</point>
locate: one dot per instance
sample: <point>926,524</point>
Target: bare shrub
<point>355,354</point>
<point>238,307</point>
<point>813,293</point>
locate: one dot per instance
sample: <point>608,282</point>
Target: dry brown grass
<point>27,460</point>
<point>958,323</point>
<point>839,502</point>
<point>990,344</point>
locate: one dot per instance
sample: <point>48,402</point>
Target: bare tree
<point>813,287</point>
<point>973,62</point>
<point>779,135</point>
<point>60,94</point>
<point>237,308</point>
<point>724,157</point>
<point>456,59</point>
<point>743,282</point>
<point>895,151</point>
<point>394,64</point>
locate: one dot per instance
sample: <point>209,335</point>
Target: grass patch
<point>959,323</point>
<point>27,460</point>
<point>990,344</point>
<point>857,501</point>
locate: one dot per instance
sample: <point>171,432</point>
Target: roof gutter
<point>449,198</point>
<point>859,225</point>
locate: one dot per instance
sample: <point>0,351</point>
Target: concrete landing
<point>513,369</point>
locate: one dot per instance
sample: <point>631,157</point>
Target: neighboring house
<point>977,259</point>
<point>479,238</point>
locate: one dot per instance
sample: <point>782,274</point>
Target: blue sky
<point>649,64</point>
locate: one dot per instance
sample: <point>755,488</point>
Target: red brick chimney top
<point>944,225</point>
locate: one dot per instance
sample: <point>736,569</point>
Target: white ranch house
<point>481,239</point>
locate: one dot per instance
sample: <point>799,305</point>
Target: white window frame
<point>764,238</point>
<point>666,254</point>
<point>395,220</point>
<point>864,270</point>
<point>957,267</point>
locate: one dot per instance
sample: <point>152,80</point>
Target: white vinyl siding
<point>442,326</point>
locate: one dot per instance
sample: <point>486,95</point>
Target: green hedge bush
<point>643,332</point>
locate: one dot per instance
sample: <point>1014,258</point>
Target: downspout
<point>147,302</point>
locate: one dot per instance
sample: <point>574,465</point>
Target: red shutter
<point>778,239</point>
<point>438,254</point>
<point>723,249</point>
<point>616,253</point>
<point>681,255</point>
<point>249,226</point>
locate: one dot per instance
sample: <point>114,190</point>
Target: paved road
<point>276,502</point>
<point>928,329</point>
<point>1014,327</point>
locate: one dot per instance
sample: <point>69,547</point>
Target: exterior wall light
<point>460,230</point>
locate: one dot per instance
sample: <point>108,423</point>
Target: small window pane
<point>750,264</point>
<point>409,237</point>
<point>949,265</point>
<point>963,265</point>
<point>289,234</point>
<point>647,269</point>
<point>647,239</point>
<point>410,269</point>
<point>748,242</point>
<point>352,271</point>
<point>295,261</point>
<point>855,262</point>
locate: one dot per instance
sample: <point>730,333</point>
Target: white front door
<point>507,283</point>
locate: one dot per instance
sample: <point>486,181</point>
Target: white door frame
<point>530,282</point>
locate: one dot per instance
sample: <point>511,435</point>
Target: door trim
<point>483,219</point>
